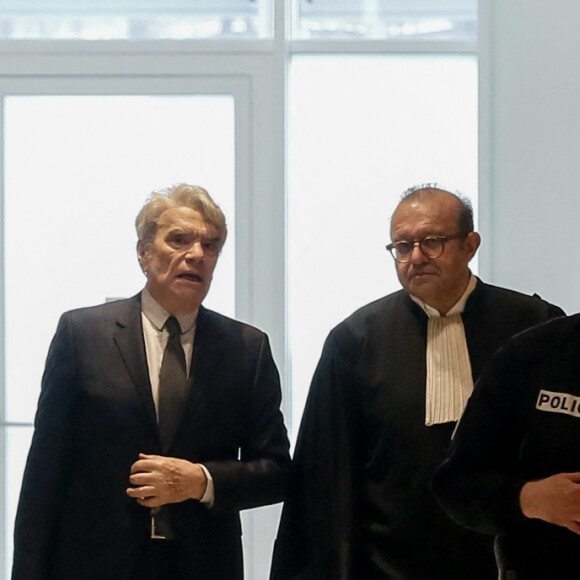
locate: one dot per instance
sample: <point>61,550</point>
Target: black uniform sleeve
<point>479,483</point>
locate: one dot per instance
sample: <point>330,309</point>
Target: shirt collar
<point>457,308</point>
<point>157,315</point>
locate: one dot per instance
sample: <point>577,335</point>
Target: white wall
<point>530,147</point>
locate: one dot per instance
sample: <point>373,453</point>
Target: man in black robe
<point>384,401</point>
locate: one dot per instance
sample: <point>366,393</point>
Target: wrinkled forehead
<point>435,214</point>
<point>186,219</point>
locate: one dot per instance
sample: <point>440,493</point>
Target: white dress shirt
<point>154,317</point>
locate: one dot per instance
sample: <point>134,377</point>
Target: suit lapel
<point>128,337</point>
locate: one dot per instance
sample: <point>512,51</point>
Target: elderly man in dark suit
<point>158,421</point>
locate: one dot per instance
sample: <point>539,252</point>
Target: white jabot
<point>449,379</point>
<point>154,317</point>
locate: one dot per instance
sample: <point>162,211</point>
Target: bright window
<point>77,171</point>
<point>422,20</point>
<point>135,19</point>
<point>95,160</point>
<point>362,130</point>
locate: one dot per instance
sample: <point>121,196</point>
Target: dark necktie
<point>172,384</point>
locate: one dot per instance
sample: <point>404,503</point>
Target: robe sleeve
<point>315,539</point>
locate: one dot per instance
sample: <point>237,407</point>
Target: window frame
<point>258,67</point>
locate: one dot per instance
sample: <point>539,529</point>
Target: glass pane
<point>387,19</point>
<point>77,171</point>
<point>17,444</point>
<point>135,19</point>
<point>362,130</point>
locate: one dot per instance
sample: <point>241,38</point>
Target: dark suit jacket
<point>361,506</point>
<point>96,414</point>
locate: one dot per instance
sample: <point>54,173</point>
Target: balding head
<point>463,204</point>
<point>431,212</point>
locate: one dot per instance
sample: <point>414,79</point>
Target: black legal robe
<point>361,505</point>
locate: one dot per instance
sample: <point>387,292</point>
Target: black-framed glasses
<point>431,246</point>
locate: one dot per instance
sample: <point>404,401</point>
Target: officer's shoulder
<point>511,304</point>
<point>556,329</point>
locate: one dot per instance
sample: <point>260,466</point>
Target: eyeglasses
<point>431,246</point>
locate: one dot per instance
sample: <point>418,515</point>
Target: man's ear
<point>472,242</point>
<point>143,254</point>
